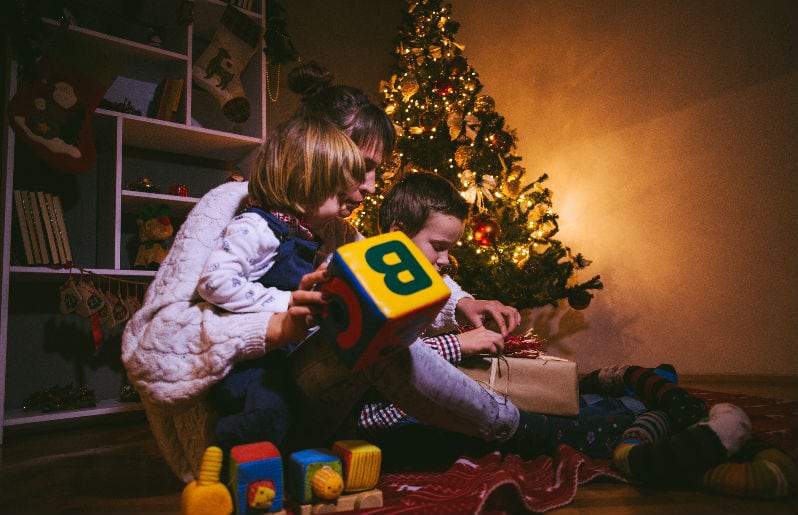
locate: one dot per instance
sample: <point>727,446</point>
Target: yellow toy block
<point>362,462</point>
<point>383,293</point>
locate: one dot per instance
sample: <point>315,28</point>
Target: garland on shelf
<point>99,298</point>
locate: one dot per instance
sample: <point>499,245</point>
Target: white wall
<point>669,132</point>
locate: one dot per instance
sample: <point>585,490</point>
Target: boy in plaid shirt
<point>432,213</point>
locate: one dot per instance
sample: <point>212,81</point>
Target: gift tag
<point>70,297</point>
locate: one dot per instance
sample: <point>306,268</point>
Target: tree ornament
<point>443,86</point>
<point>457,66</point>
<point>218,69</point>
<point>484,104</point>
<point>463,155</point>
<point>500,141</point>
<point>579,299</point>
<point>409,86</point>
<point>512,183</point>
<point>486,230</point>
<point>391,166</point>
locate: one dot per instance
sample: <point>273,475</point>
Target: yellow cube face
<point>394,274</point>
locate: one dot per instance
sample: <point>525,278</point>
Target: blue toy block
<point>252,464</point>
<point>301,468</point>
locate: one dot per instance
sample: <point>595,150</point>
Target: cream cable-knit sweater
<point>177,346</point>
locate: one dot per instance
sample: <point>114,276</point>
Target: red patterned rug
<point>490,484</point>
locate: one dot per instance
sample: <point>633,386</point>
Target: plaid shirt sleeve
<point>447,345</point>
<point>383,415</point>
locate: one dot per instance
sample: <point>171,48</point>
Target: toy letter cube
<point>256,478</point>
<point>383,293</point>
<point>301,474</point>
<point>362,462</point>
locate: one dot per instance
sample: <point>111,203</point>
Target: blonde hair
<point>305,160</point>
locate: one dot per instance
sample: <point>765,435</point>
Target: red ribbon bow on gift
<point>526,345</point>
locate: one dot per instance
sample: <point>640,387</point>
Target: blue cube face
<point>244,474</point>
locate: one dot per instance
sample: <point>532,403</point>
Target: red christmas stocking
<point>218,70</point>
<point>51,112</point>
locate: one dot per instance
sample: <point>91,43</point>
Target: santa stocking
<point>51,111</point>
<point>218,70</point>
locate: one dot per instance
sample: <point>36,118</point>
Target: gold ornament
<point>409,86</point>
<point>484,104</point>
<point>391,166</point>
<point>512,183</point>
<point>463,155</point>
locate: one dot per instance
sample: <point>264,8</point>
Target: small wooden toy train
<point>342,478</point>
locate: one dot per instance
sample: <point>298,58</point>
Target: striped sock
<point>682,408</point>
<point>758,471</point>
<point>681,459</point>
<point>648,428</point>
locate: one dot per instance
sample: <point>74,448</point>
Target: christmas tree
<point>445,124</point>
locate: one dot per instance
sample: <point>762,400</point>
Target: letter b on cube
<point>383,293</point>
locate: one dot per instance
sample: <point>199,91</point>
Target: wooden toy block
<point>356,502</point>
<point>383,293</point>
<point>313,474</point>
<point>361,462</point>
<point>256,478</point>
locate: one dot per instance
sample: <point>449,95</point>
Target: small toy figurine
<point>207,495</point>
<point>155,237</point>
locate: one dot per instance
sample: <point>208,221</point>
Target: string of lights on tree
<point>445,124</point>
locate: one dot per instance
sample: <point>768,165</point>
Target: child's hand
<point>308,300</point>
<point>477,312</point>
<point>479,340</point>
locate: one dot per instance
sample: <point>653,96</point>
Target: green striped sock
<point>758,471</point>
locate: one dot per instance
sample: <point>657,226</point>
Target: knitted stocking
<point>51,112</point>
<point>218,70</point>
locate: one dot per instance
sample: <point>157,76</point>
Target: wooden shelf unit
<point>39,346</point>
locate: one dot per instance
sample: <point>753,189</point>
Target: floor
<point>115,468</point>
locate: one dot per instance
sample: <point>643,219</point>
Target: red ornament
<point>443,86</point>
<point>486,230</point>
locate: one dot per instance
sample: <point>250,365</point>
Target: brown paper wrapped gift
<point>542,384</point>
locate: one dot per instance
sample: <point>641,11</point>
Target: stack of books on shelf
<point>170,91</point>
<point>42,231</point>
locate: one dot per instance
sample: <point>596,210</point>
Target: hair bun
<point>309,79</point>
